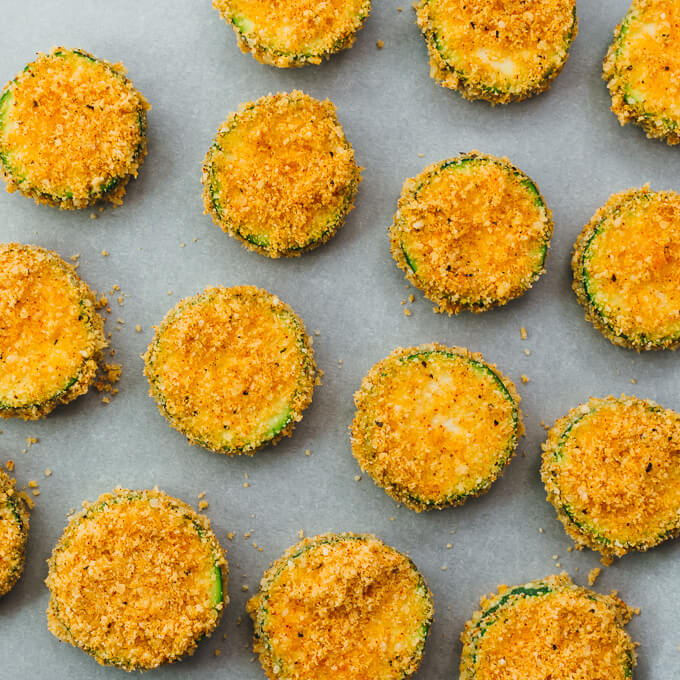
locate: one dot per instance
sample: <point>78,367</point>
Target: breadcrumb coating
<point>288,33</point>
<point>280,175</point>
<point>497,51</point>
<point>472,232</point>
<point>642,69</point>
<point>14,525</point>
<point>611,470</point>
<point>341,606</point>
<point>137,579</point>
<point>626,265</point>
<point>232,369</point>
<point>435,425</point>
<point>72,130</point>
<point>549,628</point>
<point>51,337</point>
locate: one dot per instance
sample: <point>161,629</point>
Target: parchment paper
<point>185,60</point>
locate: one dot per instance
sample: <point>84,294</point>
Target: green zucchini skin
<point>14,556</point>
<point>495,610</point>
<point>18,177</point>
<point>435,287</point>
<point>267,52</point>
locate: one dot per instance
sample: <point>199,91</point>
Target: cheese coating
<point>280,175</point>
<point>642,69</point>
<point>626,265</point>
<point>548,628</point>
<point>52,336</point>
<point>472,232</point>
<point>137,579</point>
<point>14,525</point>
<point>72,130</point>
<point>341,606</point>
<point>611,470</point>
<point>232,369</point>
<point>287,33</point>
<point>435,425</point>
<point>498,51</point>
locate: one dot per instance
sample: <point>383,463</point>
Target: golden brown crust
<point>341,605</point>
<point>629,284</point>
<point>295,32</point>
<point>72,130</point>
<point>497,52</point>
<point>451,235</point>
<point>421,431</point>
<point>14,526</point>
<point>52,337</point>
<point>549,628</point>
<point>137,579</point>
<point>293,145</point>
<point>611,470</point>
<point>232,369</point>
<point>642,69</point>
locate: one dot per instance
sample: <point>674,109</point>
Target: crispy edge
<point>20,510</point>
<point>363,398</point>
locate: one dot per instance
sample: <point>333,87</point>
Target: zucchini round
<point>295,32</point>
<point>280,175</point>
<point>472,232</point>
<point>612,471</point>
<point>549,628</point>
<point>341,606</point>
<point>642,69</point>
<point>14,525</point>
<point>137,579</point>
<point>500,52</point>
<point>626,263</point>
<point>232,369</point>
<point>72,130</point>
<point>435,425</point>
<point>52,337</point>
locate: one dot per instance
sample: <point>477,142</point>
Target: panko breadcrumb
<point>232,369</point>
<point>137,580</point>
<point>642,69</point>
<point>549,628</point>
<point>14,525</point>
<point>435,425</point>
<point>294,32</point>
<point>500,52</point>
<point>611,470</point>
<point>52,336</point>
<point>626,265</point>
<point>72,130</point>
<point>280,175</point>
<point>472,232</point>
<point>341,606</point>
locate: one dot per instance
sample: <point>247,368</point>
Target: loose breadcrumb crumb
<point>523,333</point>
<point>48,472</point>
<point>593,574</point>
<point>407,312</point>
<point>202,505</point>
<point>105,253</point>
<point>138,328</point>
<point>10,465</point>
<point>308,452</point>
<point>525,379</point>
<point>380,44</point>
<point>32,484</point>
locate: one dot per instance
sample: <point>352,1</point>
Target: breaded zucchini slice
<point>137,579</point>
<point>501,52</point>
<point>295,32</point>
<point>51,336</point>
<point>626,265</point>
<point>549,628</point>
<point>435,425</point>
<point>72,130</point>
<point>611,468</point>
<point>642,69</point>
<point>341,606</point>
<point>472,232</point>
<point>232,369</point>
<point>280,175</point>
<point>14,524</point>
